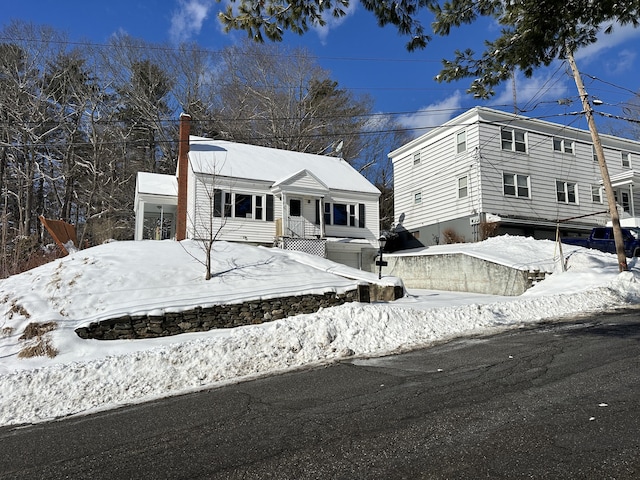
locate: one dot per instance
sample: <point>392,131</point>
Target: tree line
<point>78,121</point>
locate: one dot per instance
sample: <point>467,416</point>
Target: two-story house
<point>261,196</point>
<point>488,172</point>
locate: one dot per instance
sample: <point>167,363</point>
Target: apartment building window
<point>416,158</point>
<point>593,152</point>
<point>463,187</point>
<point>461,142</point>
<point>513,140</point>
<point>596,193</point>
<point>563,145</point>
<point>566,192</point>
<point>417,198</point>
<point>626,159</point>
<point>515,185</point>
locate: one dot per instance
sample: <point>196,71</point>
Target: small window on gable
<point>417,198</point>
<point>416,158</point>
<point>626,159</point>
<point>461,142</point>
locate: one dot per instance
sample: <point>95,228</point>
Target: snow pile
<point>137,277</point>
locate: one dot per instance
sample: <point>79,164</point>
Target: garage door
<point>351,259</point>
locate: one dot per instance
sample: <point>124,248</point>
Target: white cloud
<point>619,35</point>
<point>333,22</point>
<point>433,115</point>
<point>187,20</point>
<point>547,87</point>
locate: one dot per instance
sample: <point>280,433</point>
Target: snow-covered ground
<point>139,277</point>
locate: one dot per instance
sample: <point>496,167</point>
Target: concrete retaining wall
<point>460,273</point>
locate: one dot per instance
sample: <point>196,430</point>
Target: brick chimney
<point>183,168</point>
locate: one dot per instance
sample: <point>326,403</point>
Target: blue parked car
<point>601,238</point>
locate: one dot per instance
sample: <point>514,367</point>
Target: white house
<point>262,196</point>
<point>487,172</point>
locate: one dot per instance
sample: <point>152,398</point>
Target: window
<point>566,192</point>
<point>295,207</point>
<point>595,155</point>
<point>258,208</point>
<point>461,142</point>
<point>416,158</point>
<point>596,193</point>
<point>626,159</point>
<point>417,198</point>
<point>346,214</point>
<point>514,140</point>
<point>339,214</point>
<point>563,145</point>
<point>244,205</point>
<point>463,187</point>
<point>516,185</point>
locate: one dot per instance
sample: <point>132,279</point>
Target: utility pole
<point>606,180</point>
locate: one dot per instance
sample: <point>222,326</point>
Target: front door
<point>623,199</point>
<point>296,220</point>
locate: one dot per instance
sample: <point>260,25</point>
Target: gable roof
<point>251,162</point>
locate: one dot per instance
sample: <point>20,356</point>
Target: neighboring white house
<point>262,196</point>
<point>487,171</point>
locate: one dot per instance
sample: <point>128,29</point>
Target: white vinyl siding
<point>232,221</point>
<point>541,165</point>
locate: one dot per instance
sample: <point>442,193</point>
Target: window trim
<point>354,214</point>
<point>512,141</point>
<point>262,210</point>
<point>516,185</point>
<point>625,163</point>
<point>566,192</point>
<point>465,187</point>
<point>564,145</point>
<point>600,197</point>
<point>461,146</point>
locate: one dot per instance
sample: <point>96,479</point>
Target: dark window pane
<point>244,206</point>
<point>339,214</point>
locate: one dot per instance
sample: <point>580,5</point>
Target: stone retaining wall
<point>218,316</point>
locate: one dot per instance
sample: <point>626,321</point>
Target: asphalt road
<point>558,401</point>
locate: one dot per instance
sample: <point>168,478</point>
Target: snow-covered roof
<point>251,162</point>
<point>156,184</point>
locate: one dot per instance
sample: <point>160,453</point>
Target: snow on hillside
<point>151,277</point>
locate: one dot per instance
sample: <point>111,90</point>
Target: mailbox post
<point>382,241</point>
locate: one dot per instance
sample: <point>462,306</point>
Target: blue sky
<point>366,58</point>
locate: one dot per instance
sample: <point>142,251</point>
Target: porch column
<point>632,207</point>
<point>140,221</point>
<point>322,235</point>
<point>285,215</point>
